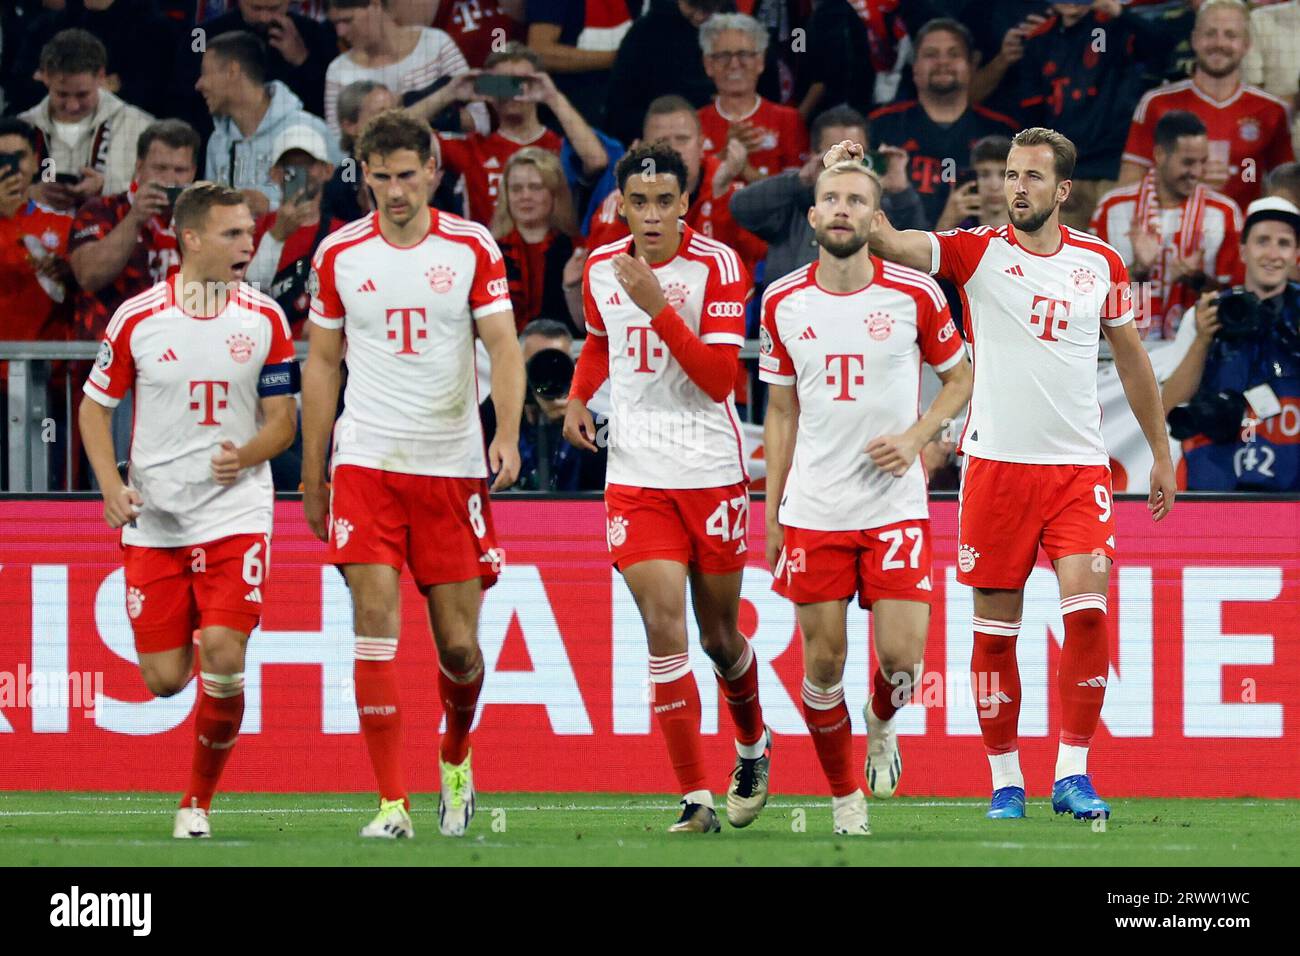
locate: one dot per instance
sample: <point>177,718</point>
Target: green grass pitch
<point>522,829</point>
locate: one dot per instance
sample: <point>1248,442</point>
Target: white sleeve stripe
<point>723,254</point>
<point>138,305</point>
<point>1134,158</point>
<point>492,308</point>
<point>919,281</point>
<point>949,363</point>
<point>774,379</point>
<point>91,390</point>
<point>325,322</point>
<point>1124,319</point>
<point>595,331</point>
<point>472,230</point>
<point>934,253</point>
<point>722,338</point>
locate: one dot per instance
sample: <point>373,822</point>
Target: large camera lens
<point>1216,415</point>
<point>1239,316</point>
<point>550,373</point>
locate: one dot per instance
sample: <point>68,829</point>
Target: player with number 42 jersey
<point>1040,296</point>
<point>410,288</point>
<point>665,313</point>
<point>211,364</point>
<point>842,342</point>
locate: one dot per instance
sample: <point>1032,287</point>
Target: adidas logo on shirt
<point>368,286</point>
<point>807,334</point>
<point>1015,271</point>
<point>614,300</point>
<point>168,356</point>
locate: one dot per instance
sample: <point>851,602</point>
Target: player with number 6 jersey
<point>1039,296</point>
<point>842,342</point>
<point>665,321</point>
<point>410,287</point>
<point>211,364</point>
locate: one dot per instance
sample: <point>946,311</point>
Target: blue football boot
<point>1075,795</point>
<point>1008,804</point>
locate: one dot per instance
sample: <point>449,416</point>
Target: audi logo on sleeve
<point>726,310</point>
<point>498,287</point>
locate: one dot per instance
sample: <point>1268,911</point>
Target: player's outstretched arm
<point>121,502</point>
<point>498,333</point>
<point>279,422</point>
<point>1143,394</point>
<point>779,429</point>
<point>320,401</point>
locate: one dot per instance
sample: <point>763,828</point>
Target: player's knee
<point>163,684</point>
<point>899,669</point>
<point>374,620</point>
<point>461,656</point>
<point>824,666</point>
<point>717,638</point>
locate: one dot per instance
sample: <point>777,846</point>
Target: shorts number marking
<point>717,522</point>
<point>894,537</point>
<point>1102,496</point>
<point>254,565</point>
<point>475,506</point>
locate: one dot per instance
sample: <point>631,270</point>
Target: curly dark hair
<point>652,160</point>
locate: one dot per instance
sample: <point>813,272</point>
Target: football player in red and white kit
<point>410,287</point>
<point>1039,297</point>
<point>210,361</point>
<point>665,313</point>
<point>842,343</point>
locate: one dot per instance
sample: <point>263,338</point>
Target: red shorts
<point>704,528</point>
<point>1007,509</point>
<point>889,563</point>
<point>441,527</point>
<point>172,591</point>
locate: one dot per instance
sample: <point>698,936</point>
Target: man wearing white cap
<point>287,238</point>
<point>1235,396</point>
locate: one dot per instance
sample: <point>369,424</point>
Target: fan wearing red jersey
<point>842,344</point>
<point>410,287</point>
<point>665,313</point>
<point>211,364</point>
<point>1039,296</point>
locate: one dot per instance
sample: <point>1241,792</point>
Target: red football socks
<point>827,717</point>
<point>375,674</point>
<point>216,728</point>
<point>1085,666</point>
<point>676,705</point>
<point>995,682</point>
<point>459,693</point>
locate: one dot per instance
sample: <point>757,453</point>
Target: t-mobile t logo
<point>406,318</point>
<point>210,399</point>
<point>1048,318</point>
<point>640,349</point>
<point>841,374</point>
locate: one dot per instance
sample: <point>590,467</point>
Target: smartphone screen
<point>497,86</point>
<point>10,162</point>
<point>67,179</point>
<point>295,182</point>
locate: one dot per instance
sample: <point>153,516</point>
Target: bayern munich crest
<point>617,532</point>
<point>440,279</point>
<point>134,602</point>
<point>879,325</point>
<point>1085,280</point>
<point>241,347</point>
<point>676,294</point>
<point>1248,130</point>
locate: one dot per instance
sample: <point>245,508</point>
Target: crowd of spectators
<point>1183,113</point>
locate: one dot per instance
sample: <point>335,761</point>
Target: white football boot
<point>850,814</point>
<point>456,802</point>
<point>884,767</point>
<point>392,822</point>
<point>191,822</point>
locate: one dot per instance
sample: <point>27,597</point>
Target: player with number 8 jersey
<point>410,287</point>
<point>665,321</point>
<point>1038,297</point>
<point>211,364</point>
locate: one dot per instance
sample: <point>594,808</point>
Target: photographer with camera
<point>1234,399</point>
<point>547,461</point>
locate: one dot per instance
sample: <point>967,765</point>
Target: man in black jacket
<point>298,49</point>
<point>659,56</point>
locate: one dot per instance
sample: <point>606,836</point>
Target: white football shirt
<point>411,400</point>
<point>664,431</point>
<point>1035,323</point>
<point>854,360</point>
<point>197,382</point>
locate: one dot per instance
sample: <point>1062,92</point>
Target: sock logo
<point>342,531</point>
<point>134,602</point>
<point>966,557</point>
<point>1092,682</point>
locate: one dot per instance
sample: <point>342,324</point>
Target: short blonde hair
<point>851,166</point>
<point>1209,5</point>
<point>1064,155</point>
<point>548,165</point>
